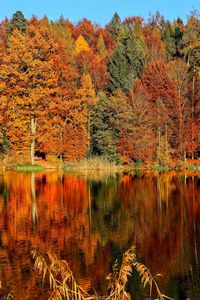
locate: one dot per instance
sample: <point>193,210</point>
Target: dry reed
<point>61,279</point>
<point>64,286</point>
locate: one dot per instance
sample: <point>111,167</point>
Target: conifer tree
<point>103,142</point>
<point>111,115</point>
<point>118,68</point>
<point>18,21</point>
<point>101,48</point>
<point>114,26</point>
<point>168,38</point>
<point>127,62</point>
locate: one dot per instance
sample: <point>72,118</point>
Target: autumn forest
<point>128,92</point>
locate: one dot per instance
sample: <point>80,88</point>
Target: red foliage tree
<point>162,92</point>
<point>88,62</point>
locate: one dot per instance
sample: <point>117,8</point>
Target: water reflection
<point>90,219</point>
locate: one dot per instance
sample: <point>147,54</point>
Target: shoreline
<point>100,165</point>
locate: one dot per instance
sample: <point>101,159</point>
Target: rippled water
<point>91,219</point>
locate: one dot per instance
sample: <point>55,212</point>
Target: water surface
<point>91,219</point>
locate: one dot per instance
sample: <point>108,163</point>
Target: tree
<point>53,139</point>
<point>191,50</point>
<point>127,61</point>
<point>101,48</point>
<point>118,68</point>
<point>167,36</point>
<point>103,141</point>
<point>87,98</point>
<point>61,28</point>
<point>133,23</point>
<point>87,30</point>
<point>178,36</point>
<point>191,39</point>
<point>108,40</point>
<point>136,56</point>
<point>156,21</point>
<point>18,21</point>
<point>110,116</point>
<point>155,46</point>
<point>179,73</point>
<point>81,45</point>
<point>137,140</point>
<point>28,83</point>
<point>162,92</point>
<point>114,26</point>
<point>91,63</point>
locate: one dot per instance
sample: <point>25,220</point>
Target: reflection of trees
<point>43,211</point>
<point>90,220</point>
<point>159,214</point>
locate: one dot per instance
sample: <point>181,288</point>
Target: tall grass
<point>64,286</point>
<point>9,296</point>
<point>93,163</point>
<point>61,279</point>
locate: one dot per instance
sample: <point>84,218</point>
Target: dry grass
<point>118,279</point>
<point>64,286</point>
<point>149,280</point>
<point>93,163</point>
<point>61,279</point>
<point>9,296</point>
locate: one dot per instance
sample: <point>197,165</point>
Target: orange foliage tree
<point>137,141</point>
<point>155,46</point>
<point>89,62</point>
<point>179,72</point>
<point>28,82</point>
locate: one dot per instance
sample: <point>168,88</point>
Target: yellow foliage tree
<point>81,45</point>
<point>87,98</point>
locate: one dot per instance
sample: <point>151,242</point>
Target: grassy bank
<point>98,163</point>
<point>29,168</point>
<point>194,168</point>
<point>160,168</point>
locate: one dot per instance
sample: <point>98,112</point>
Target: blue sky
<point>99,11</point>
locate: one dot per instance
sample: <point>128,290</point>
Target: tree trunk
<point>33,130</point>
<point>192,129</point>
<point>88,132</point>
<point>158,147</point>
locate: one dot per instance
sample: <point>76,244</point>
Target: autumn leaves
<point>128,92</point>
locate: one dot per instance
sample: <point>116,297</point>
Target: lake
<point>90,219</point>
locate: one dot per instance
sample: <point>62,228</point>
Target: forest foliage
<point>128,92</point>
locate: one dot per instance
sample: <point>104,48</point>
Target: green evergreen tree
<point>167,36</point>
<point>136,58</point>
<point>103,136</point>
<point>18,21</point>
<point>114,26</point>
<point>110,116</point>
<point>178,37</point>
<point>118,68</point>
<point>127,62</point>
